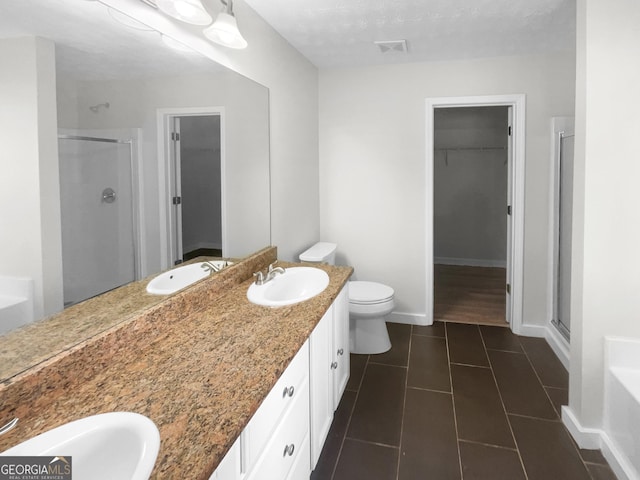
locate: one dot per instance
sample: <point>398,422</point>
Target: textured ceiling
<point>92,45</point>
<point>341,32</point>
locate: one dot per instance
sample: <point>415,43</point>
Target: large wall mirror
<point>163,154</point>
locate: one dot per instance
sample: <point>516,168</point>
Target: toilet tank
<point>321,252</point>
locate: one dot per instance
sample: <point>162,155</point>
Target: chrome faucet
<point>8,426</point>
<point>271,273</point>
<point>213,268</point>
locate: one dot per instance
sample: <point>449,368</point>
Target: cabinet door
<point>321,383</point>
<point>340,345</point>
<point>229,467</point>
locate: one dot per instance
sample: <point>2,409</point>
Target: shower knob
<point>108,195</point>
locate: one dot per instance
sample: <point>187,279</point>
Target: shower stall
<point>563,138</point>
<point>97,213</point>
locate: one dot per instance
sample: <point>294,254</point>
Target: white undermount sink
<point>178,278</point>
<point>297,284</point>
<point>122,445</point>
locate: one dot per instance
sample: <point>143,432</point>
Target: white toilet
<point>369,303</point>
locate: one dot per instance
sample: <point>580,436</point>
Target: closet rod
<point>471,148</point>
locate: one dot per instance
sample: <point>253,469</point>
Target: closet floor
<point>466,294</point>
<point>456,402</point>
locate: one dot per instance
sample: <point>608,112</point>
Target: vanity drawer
<point>289,442</point>
<point>289,387</point>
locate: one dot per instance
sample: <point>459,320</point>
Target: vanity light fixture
<point>189,11</point>
<point>224,30</point>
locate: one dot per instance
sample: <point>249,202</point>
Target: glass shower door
<point>563,213</point>
<point>98,252</point>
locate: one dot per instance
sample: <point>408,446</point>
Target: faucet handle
<point>272,266</point>
<point>259,278</point>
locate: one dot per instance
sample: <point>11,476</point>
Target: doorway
<point>513,209</point>
<point>471,163</point>
<point>194,202</point>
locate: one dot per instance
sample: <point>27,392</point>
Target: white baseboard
<point>471,262</point>
<point>407,318</point>
<point>559,345</point>
<point>617,461</point>
<point>589,438</point>
<point>536,331</point>
<point>199,245</point>
<point>594,438</point>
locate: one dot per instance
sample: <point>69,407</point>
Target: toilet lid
<point>365,293</point>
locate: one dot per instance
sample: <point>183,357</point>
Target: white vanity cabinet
<point>329,369</point>
<point>341,345</point>
<point>275,443</point>
<point>285,436</point>
<point>229,467</point>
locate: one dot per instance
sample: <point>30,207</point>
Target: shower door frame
<point>131,137</point>
<point>515,260</point>
<point>559,125</point>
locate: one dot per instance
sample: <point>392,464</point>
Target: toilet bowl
<point>369,303</point>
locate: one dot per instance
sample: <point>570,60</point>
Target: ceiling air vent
<point>392,46</point>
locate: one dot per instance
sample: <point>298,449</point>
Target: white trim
<point>163,115</point>
<point>536,331</point>
<point>559,345</point>
<point>471,262</point>
<point>589,438</point>
<point>407,318</point>
<point>518,104</point>
<point>618,462</point>
<point>593,439</point>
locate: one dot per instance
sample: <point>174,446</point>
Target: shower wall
<point>97,228</point>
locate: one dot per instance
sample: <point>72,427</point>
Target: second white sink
<point>122,445</point>
<point>178,278</point>
<point>297,284</point>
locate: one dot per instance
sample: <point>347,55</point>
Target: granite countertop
<point>199,376</point>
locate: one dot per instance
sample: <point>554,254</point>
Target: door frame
<point>517,102</point>
<point>166,178</point>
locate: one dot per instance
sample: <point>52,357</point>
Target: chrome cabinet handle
<point>341,351</point>
<point>288,450</point>
<point>334,365</point>
<point>8,426</point>
<point>288,391</point>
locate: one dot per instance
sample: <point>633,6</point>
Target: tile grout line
<point>346,429</point>
<point>404,403</point>
<point>504,408</point>
<point>559,417</point>
<point>453,403</point>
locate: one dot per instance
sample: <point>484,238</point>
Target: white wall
<point>606,221</point>
<point>133,104</point>
<point>293,108</point>
<point>470,186</point>
<point>30,244</point>
<point>372,177</point>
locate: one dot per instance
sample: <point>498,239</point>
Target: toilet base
<point>368,335</point>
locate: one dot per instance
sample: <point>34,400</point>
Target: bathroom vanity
<point>222,378</point>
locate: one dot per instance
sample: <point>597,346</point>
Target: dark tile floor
<point>460,402</point>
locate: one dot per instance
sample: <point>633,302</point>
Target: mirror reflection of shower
<point>96,108</point>
<point>98,234</point>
